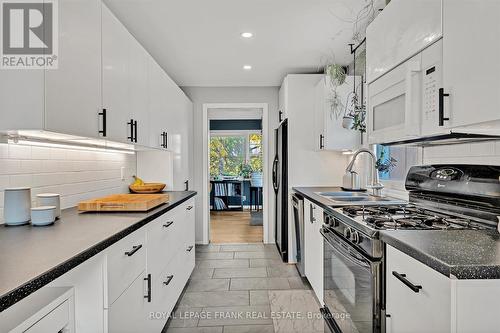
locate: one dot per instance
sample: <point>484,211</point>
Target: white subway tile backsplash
<point>19,152</point>
<point>485,153</point>
<point>75,174</point>
<point>4,150</point>
<point>21,180</point>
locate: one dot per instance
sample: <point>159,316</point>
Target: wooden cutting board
<point>124,203</point>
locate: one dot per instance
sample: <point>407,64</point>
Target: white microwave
<point>405,103</point>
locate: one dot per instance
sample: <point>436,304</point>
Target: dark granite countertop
<point>31,257</point>
<point>460,254</point>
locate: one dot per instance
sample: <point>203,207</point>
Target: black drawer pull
<point>168,224</point>
<point>169,278</point>
<point>402,278</point>
<point>131,124</point>
<point>135,248</point>
<point>148,296</point>
<point>189,207</point>
<point>189,248</point>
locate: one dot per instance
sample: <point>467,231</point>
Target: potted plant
<point>246,170</point>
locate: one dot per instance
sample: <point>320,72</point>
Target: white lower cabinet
<point>145,305</point>
<point>415,310</point>
<point>420,299</point>
<point>128,313</point>
<point>313,247</point>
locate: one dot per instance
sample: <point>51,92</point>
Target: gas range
<point>441,197</point>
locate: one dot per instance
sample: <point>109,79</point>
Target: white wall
<point>202,95</point>
<point>75,174</point>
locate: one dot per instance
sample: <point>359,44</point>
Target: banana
<point>138,181</point>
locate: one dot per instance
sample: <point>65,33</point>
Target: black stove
<point>408,217</point>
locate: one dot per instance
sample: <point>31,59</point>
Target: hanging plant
<point>336,73</point>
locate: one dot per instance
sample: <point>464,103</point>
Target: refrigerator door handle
<point>275,174</point>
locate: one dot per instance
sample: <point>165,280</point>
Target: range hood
<point>443,139</point>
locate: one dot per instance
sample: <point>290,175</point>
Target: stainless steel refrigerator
<point>280,184</point>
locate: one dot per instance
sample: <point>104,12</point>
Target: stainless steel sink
<point>345,198</point>
<point>342,194</point>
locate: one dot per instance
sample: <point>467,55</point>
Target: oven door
<point>394,102</point>
<point>351,287</point>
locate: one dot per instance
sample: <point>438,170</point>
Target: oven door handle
<point>345,253</point>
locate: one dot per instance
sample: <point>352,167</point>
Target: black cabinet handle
<point>312,219</point>
<point>104,122</point>
<point>148,295</point>
<point>442,118</point>
<point>280,116</point>
<point>162,140</point>
<point>135,248</point>
<point>189,207</point>
<point>402,278</point>
<point>166,140</point>
<point>168,224</point>
<point>131,124</point>
<point>321,141</point>
<point>135,131</point>
<point>189,248</point>
<point>187,185</point>
<point>169,278</point>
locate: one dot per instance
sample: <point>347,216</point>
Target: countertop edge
<point>457,272</point>
<point>24,290</point>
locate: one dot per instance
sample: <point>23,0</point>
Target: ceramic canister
<point>43,215</point>
<point>17,205</point>
<point>50,199</point>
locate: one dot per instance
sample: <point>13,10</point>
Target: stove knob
<point>334,222</point>
<point>355,237</point>
<point>347,232</point>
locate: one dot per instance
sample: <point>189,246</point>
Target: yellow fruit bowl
<point>147,188</point>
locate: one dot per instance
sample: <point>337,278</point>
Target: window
<point>229,151</point>
<point>395,161</point>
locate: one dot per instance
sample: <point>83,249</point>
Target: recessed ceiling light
<point>246,34</point>
<point>247,67</point>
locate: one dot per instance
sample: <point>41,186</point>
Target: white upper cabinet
<point>283,100</point>
<point>471,66</point>
<point>138,97</point>
<point>401,30</point>
<point>125,82</point>
<point>330,133</point>
<point>444,79</point>
<point>73,90</point>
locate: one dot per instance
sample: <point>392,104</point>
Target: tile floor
<point>245,288</point>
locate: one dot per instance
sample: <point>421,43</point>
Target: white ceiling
<point>198,42</point>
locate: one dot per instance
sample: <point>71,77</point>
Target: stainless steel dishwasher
<point>298,224</point>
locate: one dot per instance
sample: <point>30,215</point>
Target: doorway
<point>236,169</point>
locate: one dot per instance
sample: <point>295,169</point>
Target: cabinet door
<point>329,118</point>
<point>138,87</point>
<point>313,217</point>
<point>401,30</point>
<point>181,141</point>
<point>282,110</point>
<point>157,105</point>
<point>317,248</point>
<point>474,91</point>
<point>115,76</point>
<point>21,99</point>
<point>73,91</point>
<point>407,307</point>
<point>128,314</point>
